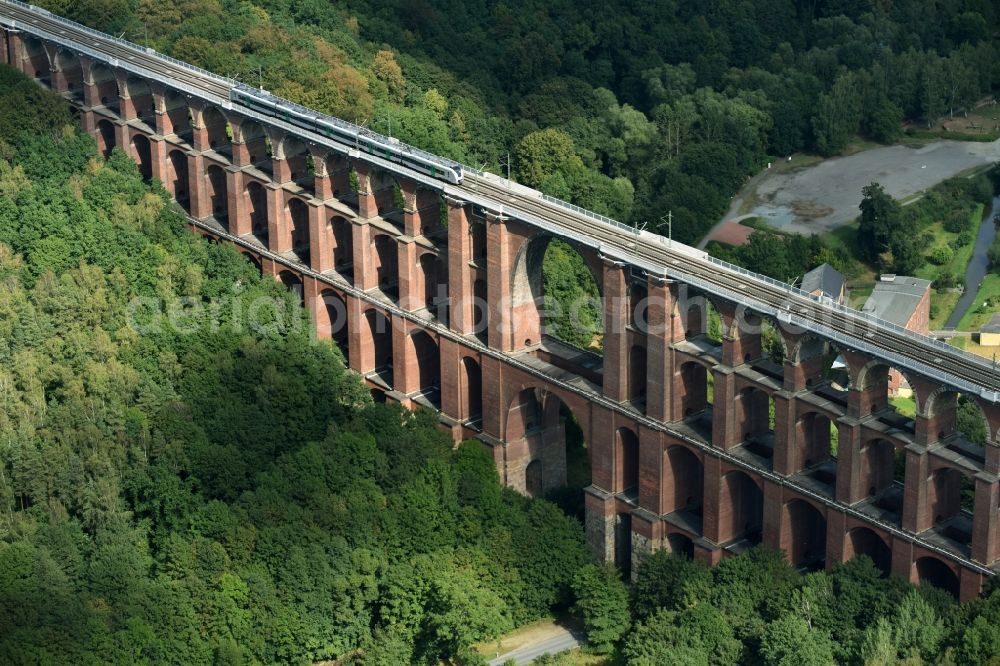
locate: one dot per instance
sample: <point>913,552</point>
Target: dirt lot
<point>818,198</point>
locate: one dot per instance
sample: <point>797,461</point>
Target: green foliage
<point>602,603</point>
<point>572,300</point>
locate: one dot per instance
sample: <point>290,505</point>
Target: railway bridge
<point>701,442</point>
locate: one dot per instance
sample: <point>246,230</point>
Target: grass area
<point>986,303</point>
<point>972,345</point>
<point>980,124</point>
<point>905,406</point>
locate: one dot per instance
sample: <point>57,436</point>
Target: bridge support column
<point>647,537</point>
<point>849,463</point>
<point>494,404</point>
<point>361,348</point>
<point>201,207</point>
<point>411,295</point>
<point>15,42</point>
<point>786,458</point>
<point>616,317</point>
<point>451,384</point>
<point>367,205</point>
<point>405,373</point>
<point>771,534</point>
<point>740,334</point>
<point>461,314</point>
<point>420,214</point>
<point>985,522</point>
<point>498,271</point>
<point>4,47</point>
<point>122,138</point>
<point>836,531</point>
<point>278,236</point>
<point>322,186</point>
<point>281,170</point>
<point>239,220</point>
<point>651,479</point>
<point>158,158</point>
<point>916,513</point>
<point>715,512</point>
<point>364,269</point>
<point>199,132</point>
<point>599,507</point>
<point>663,328</point>
<point>725,433</point>
<point>320,238</point>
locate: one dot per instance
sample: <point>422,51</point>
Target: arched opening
<point>950,497</point>
<point>477,233</point>
<point>882,389</point>
<point>435,281</point>
<point>253,260</point>
<point>257,145</point>
<point>106,138</point>
<point>957,419</point>
<point>106,85</point>
<point>480,308</point>
<point>623,544</point>
<point>387,266</point>
<point>143,155</point>
<point>701,319</point>
<point>772,346</point>
<point>141,99</point>
<point>534,479</point>
<point>883,473</point>
<point>626,462</point>
<point>36,60</point>
<point>294,284</point>
<point>428,367</point>
<point>338,170</point>
<point>343,246</point>
<point>539,426</point>
<point>217,131</point>
<point>257,209</point>
<point>178,115</point>
<point>680,545</point>
<point>683,481</point>
<point>177,178</point>
<point>863,541</point>
<point>380,330</point>
<point>741,509</point>
<point>754,418</point>
<point>298,162</point>
<point>70,79</point>
<point>332,323</point>
<point>804,536</point>
<point>693,388</point>
<point>637,375</point>
<point>932,571</point>
<point>472,390</point>
<point>638,302</point>
<point>298,222</point>
<point>556,295</point>
<point>817,442</point>
<point>218,196</point>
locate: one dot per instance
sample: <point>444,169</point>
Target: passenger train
<point>347,133</point>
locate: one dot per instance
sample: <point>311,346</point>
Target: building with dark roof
<point>825,280</point>
<point>904,301</point>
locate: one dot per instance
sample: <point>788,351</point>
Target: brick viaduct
<point>697,445</point>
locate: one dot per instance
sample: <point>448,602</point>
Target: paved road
<point>819,198</point>
<point>558,640</point>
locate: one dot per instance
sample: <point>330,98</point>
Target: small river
<point>978,264</point>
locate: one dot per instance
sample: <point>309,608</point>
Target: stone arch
<point>881,469</point>
<point>140,96</point>
<point>177,178</point>
<point>471,387</point>
<point>863,541</point>
<point>683,485</point>
<point>804,536</point>
<point>528,298</point>
<point>332,322</point>
<point>773,346</point>
<point>380,331</point>
<point>253,260</point>
<point>932,571</point>
<point>693,387</point>
<point>218,194</point>
<point>539,426</point>
<point>106,136</point>
<point>218,132</point>
<point>143,154</point>
<point>815,357</point>
<point>434,273</point>
<point>680,545</point>
<point>428,359</point>
<point>701,318</point>
<point>816,444</point>
<point>178,114</point>
<point>741,508</point>
<point>877,381</point>
<point>343,246</point>
<point>298,166</point>
<point>387,265</point>
<point>338,170</point>
<point>255,143</point>
<point>637,373</point>
<point>944,496</point>
<point>626,461</point>
<point>941,414</point>
<point>256,198</point>
<point>293,282</point>
<point>754,415</point>
<point>36,59</point>
<point>70,74</point>
<point>297,215</point>
<point>105,87</point>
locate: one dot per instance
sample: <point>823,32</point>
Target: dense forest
<point>630,110</point>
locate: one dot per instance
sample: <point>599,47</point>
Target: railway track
<point>650,252</point>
